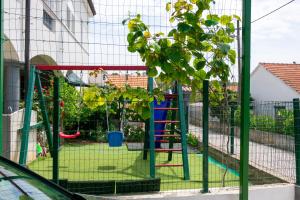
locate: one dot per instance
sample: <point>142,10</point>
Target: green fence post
<point>245,100</point>
<point>185,159</point>
<point>46,122</point>
<point>27,118</point>
<point>205,117</point>
<point>232,110</point>
<point>151,132</point>
<point>55,175</point>
<point>1,72</point>
<point>297,138</point>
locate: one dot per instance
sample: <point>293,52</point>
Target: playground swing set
<point>155,133</point>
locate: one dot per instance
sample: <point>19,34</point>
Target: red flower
<point>62,103</point>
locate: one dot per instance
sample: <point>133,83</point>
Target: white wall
<point>61,45</point>
<point>265,86</point>
<point>266,192</point>
<point>12,123</point>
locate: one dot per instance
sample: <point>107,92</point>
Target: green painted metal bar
<point>245,100</point>
<point>27,118</point>
<point>1,71</point>
<point>232,110</point>
<point>296,106</point>
<point>56,101</point>
<point>205,136</point>
<point>185,161</point>
<point>172,128</point>
<point>151,131</point>
<point>36,126</point>
<point>44,112</point>
<point>146,140</point>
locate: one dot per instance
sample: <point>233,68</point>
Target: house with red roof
<point>275,82</point>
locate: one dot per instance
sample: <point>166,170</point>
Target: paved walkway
<point>272,160</point>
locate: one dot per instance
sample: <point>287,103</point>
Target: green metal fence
<point>77,34</point>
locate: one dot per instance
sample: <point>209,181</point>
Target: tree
<point>198,48</point>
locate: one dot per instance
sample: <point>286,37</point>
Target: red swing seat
<point>66,136</point>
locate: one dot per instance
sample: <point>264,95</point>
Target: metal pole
<point>27,44</point>
<point>27,118</point>
<point>151,131</point>
<point>245,100</point>
<point>205,135</point>
<point>297,138</point>
<point>238,37</point>
<point>55,175</point>
<point>43,108</point>
<point>232,110</point>
<point>1,71</point>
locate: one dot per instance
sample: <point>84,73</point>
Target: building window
<point>48,21</point>
<point>70,20</point>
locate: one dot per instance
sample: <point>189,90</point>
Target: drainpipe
<point>1,69</point>
<point>27,45</point>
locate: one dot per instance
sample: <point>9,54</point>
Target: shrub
<point>192,140</point>
<point>134,134</point>
<point>284,124</point>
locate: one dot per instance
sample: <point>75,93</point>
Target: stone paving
<point>280,163</point>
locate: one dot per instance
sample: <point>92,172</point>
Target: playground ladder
<point>169,136</point>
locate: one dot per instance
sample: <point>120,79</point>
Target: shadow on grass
<point>107,168</point>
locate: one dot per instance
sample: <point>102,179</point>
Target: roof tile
<point>288,73</point>
<point>131,80</point>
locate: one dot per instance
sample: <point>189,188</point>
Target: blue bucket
<point>115,138</point>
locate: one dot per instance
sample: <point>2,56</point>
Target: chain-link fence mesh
<point>91,33</point>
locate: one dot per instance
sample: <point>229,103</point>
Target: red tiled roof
<point>132,80</point>
<point>288,73</point>
<point>233,88</point>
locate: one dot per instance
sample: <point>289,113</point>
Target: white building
<point>275,82</point>
<point>274,86</point>
<point>59,35</point>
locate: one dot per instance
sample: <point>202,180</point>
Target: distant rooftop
<point>134,81</point>
<point>288,73</point>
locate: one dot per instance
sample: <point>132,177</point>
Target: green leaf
<point>156,47</point>
<point>199,63</point>
<point>168,6</point>
<point>130,38</point>
<point>225,19</point>
<point>171,33</point>
<point>152,71</point>
<point>213,17</point>
<point>191,18</point>
<point>172,19</point>
<point>210,22</point>
<point>174,54</point>
<point>224,48</point>
<point>131,49</point>
<point>201,74</point>
<point>237,17</point>
<point>232,56</point>
<point>184,28</point>
<point>206,46</point>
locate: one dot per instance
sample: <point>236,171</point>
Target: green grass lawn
<point>100,162</point>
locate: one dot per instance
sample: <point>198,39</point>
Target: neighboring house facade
<point>59,35</point>
<point>274,84</point>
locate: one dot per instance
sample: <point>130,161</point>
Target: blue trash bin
<point>115,138</point>
<point>160,115</point>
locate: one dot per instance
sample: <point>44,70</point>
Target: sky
<point>275,38</point>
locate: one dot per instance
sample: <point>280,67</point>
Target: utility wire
<point>272,11</point>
